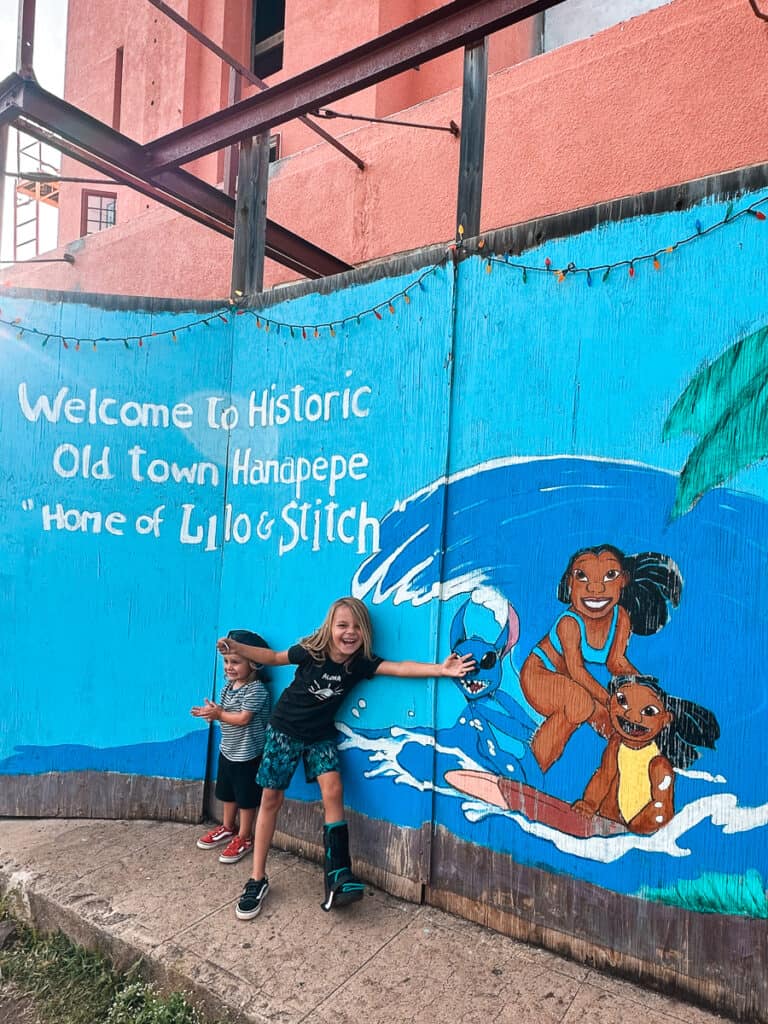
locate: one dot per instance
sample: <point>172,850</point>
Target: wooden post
<point>473,104</point>
<point>250,216</point>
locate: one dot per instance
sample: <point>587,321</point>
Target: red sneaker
<point>214,837</point>
<point>236,850</point>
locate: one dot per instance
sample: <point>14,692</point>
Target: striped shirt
<point>244,742</point>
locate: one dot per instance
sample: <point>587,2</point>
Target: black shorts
<point>236,782</point>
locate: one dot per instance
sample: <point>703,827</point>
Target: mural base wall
<point>90,794</point>
<point>719,960</point>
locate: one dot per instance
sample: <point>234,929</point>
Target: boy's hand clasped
<point>210,711</point>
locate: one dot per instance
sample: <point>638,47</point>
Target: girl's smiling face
<point>346,635</point>
<point>596,583</point>
<point>637,714</point>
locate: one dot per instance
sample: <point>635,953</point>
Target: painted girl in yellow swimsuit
<point>653,733</point>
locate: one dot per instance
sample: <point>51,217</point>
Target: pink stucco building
<point>583,107</point>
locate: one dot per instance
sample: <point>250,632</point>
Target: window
<point>97,212</point>
<point>268,32</point>
<point>578,19</point>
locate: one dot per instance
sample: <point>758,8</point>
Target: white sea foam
<point>383,752</point>
<point>722,810</point>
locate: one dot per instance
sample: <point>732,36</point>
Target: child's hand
<point>457,666</point>
<point>601,721</point>
<point>210,711</point>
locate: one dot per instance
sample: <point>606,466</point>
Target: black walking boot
<point>341,886</point>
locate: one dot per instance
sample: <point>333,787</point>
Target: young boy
<point>242,713</point>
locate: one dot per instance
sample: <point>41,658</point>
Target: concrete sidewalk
<point>142,889</point>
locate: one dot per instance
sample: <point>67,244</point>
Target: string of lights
<point>604,269</point>
<point>222,315</point>
<point>314,330</point>
<point>378,310</point>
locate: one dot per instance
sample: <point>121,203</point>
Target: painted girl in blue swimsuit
<point>610,595</point>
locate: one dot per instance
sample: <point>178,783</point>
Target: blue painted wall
<point>471,457</point>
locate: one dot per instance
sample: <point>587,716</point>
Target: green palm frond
<point>718,387</point>
<point>735,441</point>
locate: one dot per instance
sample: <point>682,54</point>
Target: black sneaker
<point>250,902</point>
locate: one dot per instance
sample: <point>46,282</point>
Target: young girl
<point>610,596</point>
<point>242,712</point>
<point>330,662</point>
<point>653,734</point>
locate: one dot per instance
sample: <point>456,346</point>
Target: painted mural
<point>567,483</point>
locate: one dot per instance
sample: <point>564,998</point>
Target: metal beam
<point>248,75</point>
<point>231,154</point>
<point>472,152</point>
<point>24,103</point>
<point>117,175</point>
<point>459,23</point>
<point>3,168</point>
<point>25,40</point>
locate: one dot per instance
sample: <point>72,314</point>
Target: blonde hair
<point>319,643</point>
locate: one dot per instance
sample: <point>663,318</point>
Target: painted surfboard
<point>532,803</point>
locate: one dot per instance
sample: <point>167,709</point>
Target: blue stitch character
<point>490,710</point>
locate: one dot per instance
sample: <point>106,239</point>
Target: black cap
<point>245,636</point>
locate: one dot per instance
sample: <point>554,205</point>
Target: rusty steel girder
<point>455,25</point>
<point>27,106</point>
<point>248,75</point>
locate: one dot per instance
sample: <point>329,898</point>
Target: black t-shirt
<point>307,708</point>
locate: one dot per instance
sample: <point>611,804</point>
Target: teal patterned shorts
<point>282,754</point>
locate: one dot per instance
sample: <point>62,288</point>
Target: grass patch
<point>70,985</point>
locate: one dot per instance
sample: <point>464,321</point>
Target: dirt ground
<point>16,1007</point>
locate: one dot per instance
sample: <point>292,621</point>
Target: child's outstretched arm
<point>262,655</point>
<point>454,666</point>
